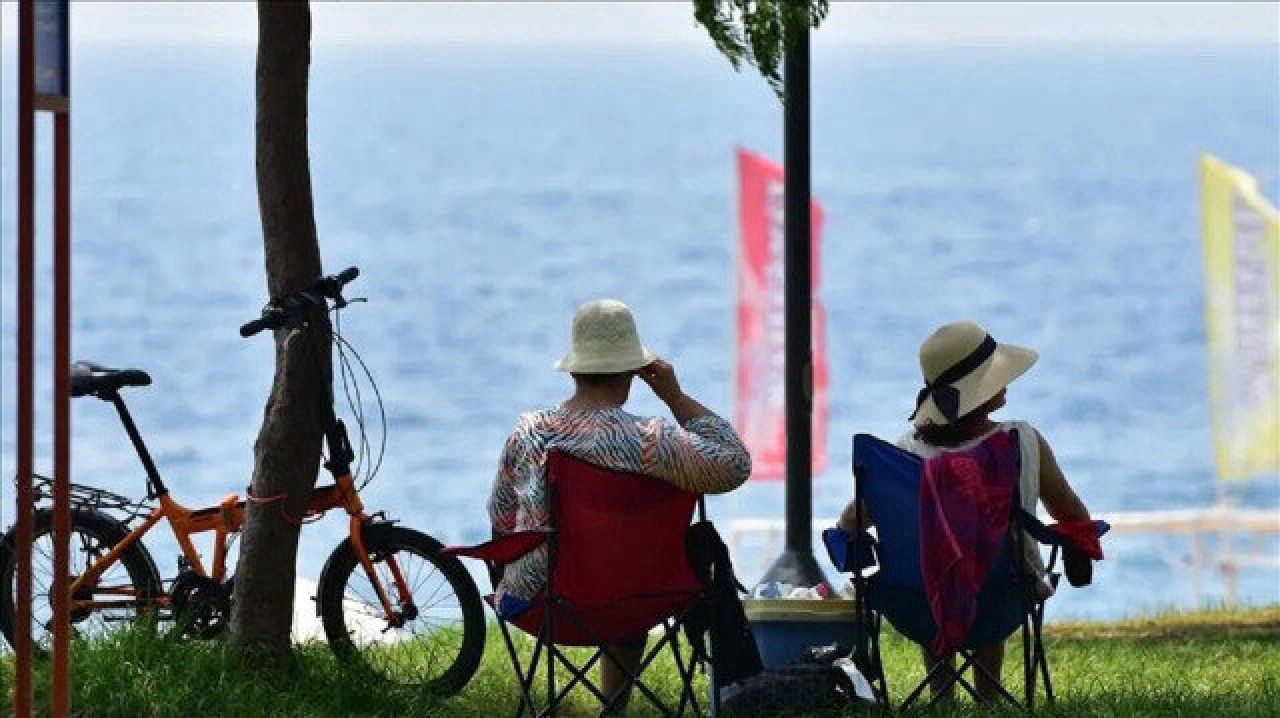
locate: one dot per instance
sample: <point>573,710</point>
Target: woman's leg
<point>941,685</point>
<point>613,678</point>
<point>991,657</point>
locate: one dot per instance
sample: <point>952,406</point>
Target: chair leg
<point>674,642</point>
<point>877,664</point>
<point>634,680</point>
<point>957,678</point>
<point>1028,665</point>
<point>713,686</point>
<point>552,703</point>
<point>995,680</point>
<point>690,674</point>
<point>526,683</point>
<point>868,648</point>
<point>669,640</point>
<point>915,693</point>
<point>525,679</point>
<point>1041,655</point>
<point>580,678</point>
<point>633,677</point>
<point>551,655</point>
<point>687,696</point>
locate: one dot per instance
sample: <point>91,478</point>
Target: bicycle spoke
<point>425,646</point>
<point>86,548</point>
<point>434,571</point>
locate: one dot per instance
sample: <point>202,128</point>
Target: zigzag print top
<point>703,456</point>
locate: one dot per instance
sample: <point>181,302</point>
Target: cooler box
<point>786,628</point>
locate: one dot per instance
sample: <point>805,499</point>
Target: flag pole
<point>797,565</point>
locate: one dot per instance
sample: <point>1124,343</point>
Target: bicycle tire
<point>333,592</point>
<point>103,530</point>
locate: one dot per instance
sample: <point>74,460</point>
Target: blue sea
<point>1049,193</point>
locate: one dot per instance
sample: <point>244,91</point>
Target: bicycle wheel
<point>132,580</point>
<point>439,639</point>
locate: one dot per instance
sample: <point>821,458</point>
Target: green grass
<point>1220,664</point>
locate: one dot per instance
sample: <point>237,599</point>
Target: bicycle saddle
<point>89,378</point>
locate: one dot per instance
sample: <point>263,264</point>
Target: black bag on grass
<point>794,690</point>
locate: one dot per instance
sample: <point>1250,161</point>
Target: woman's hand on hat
<point>661,378</point>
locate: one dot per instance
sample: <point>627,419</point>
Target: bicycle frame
<point>226,519</point>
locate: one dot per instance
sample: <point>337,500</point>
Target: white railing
<point>1226,555</point>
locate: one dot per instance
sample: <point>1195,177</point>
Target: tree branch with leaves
<point>758,32</point>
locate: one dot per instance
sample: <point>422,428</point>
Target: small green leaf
<point>758,31</point>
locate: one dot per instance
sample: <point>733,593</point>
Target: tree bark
<point>287,451</point>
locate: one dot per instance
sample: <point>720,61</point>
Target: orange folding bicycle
<point>386,596</point>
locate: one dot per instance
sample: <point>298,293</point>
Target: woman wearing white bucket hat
<point>966,375</point>
<point>698,452</point>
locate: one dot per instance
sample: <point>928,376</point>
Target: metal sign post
<point>24,398</point>
<point>44,80</point>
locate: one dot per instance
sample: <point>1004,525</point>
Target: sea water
<point>1048,193</point>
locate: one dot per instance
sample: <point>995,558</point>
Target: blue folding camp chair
<point>889,582</point>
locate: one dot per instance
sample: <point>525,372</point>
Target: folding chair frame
<point>867,649</point>
<point>1035,660</point>
<point>551,657</point>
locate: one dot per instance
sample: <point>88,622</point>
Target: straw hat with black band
<point>963,369</point>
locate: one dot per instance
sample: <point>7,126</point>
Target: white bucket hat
<point>604,340</point>
<point>963,369</point>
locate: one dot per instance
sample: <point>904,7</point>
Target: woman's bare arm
<point>1059,499</point>
<point>850,517</point>
<point>700,452</point>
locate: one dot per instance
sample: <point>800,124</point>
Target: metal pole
<point>60,688</point>
<point>796,565</point>
<point>25,414</point>
<point>799,303</point>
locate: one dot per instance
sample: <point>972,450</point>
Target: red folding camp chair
<point>617,570</point>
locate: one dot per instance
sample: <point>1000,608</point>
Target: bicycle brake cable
<point>370,463</point>
<point>375,457</point>
<point>348,382</point>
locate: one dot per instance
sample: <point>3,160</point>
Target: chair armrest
<point>1078,541</point>
<point>505,548</point>
<point>849,553</point>
<point>1037,530</point>
<point>1048,536</point>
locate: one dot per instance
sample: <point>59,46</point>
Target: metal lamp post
<point>797,565</point>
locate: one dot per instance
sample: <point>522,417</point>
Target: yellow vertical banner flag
<point>1241,232</point>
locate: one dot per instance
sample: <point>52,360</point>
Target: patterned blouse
<point>704,456</point>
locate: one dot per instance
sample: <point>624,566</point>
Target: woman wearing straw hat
<point>966,375</point>
<point>698,452</point>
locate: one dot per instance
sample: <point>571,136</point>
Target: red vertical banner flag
<point>760,410</point>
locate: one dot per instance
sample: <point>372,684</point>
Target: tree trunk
<point>287,452</point>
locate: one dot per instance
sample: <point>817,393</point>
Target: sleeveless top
<point>1028,480</point>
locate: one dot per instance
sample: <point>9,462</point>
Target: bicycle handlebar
<point>276,320</point>
<point>284,311</point>
<point>331,286</point>
<point>248,329</point>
